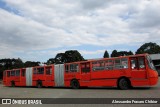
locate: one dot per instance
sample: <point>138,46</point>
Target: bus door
<point>138,68</point>
<point>85,71</point>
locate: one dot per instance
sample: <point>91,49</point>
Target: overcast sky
<point>37,30</point>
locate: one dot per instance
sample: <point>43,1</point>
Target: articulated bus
<point>122,72</point>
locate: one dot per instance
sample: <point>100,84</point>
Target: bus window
<point>150,63</point>
<point>77,67</point>
<point>124,62</point>
<point>8,73</point>
<point>117,64</point>
<point>17,73</point>
<point>94,66</point>
<point>67,68</point>
<point>34,71</point>
<point>23,72</point>
<point>134,64</point>
<point>40,70</point>
<point>12,73</point>
<point>109,64</point>
<point>141,62</point>
<point>98,65</point>
<point>74,67</point>
<point>85,67</point>
<point>48,71</point>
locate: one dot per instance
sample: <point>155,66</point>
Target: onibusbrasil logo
<point>21,101</point>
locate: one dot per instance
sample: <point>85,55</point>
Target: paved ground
<point>105,92</point>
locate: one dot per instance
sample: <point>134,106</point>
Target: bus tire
<point>13,84</point>
<point>39,84</point>
<point>123,84</point>
<point>75,84</point>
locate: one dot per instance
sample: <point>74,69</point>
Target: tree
<point>130,53</point>
<point>67,57</point>
<point>17,63</point>
<point>150,48</point>
<point>120,53</point>
<point>10,64</point>
<point>60,58</point>
<point>51,61</point>
<point>7,64</point>
<point>125,53</point>
<point>31,64</point>
<point>106,54</point>
<point>73,56</point>
<point>114,53</point>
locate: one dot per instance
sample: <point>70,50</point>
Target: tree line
<point>7,63</point>
<point>150,48</point>
<point>73,56</point>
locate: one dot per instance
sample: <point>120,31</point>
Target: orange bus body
<point>123,72</point>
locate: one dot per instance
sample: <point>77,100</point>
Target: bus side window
<point>17,73</point>
<point>124,62</point>
<point>34,71</point>
<point>8,73</point>
<point>109,64</point>
<point>40,70</point>
<point>117,64</point>
<point>72,67</point>
<point>98,65</point>
<point>23,72</point>
<point>134,64</point>
<point>12,73</point>
<point>77,67</point>
<point>48,71</point>
<point>85,67</point>
<point>67,68</point>
<point>141,62</point>
<point>94,66</point>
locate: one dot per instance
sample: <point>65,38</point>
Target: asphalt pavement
<point>90,92</point>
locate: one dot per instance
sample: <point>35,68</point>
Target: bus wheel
<point>39,84</point>
<point>12,84</point>
<point>75,84</point>
<point>123,84</point>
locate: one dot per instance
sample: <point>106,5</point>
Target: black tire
<point>39,84</point>
<point>75,84</point>
<point>123,84</point>
<point>13,84</point>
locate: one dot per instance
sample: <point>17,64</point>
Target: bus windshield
<point>150,63</point>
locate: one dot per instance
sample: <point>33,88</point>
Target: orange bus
<point>123,72</point>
